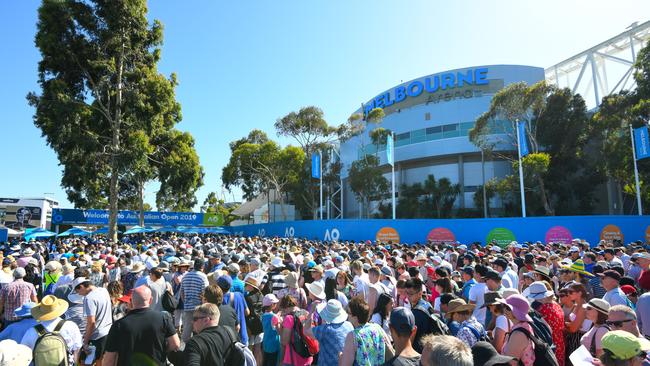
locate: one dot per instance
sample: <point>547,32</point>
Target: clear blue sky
<point>243,64</point>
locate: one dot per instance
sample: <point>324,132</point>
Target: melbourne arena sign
<point>446,81</point>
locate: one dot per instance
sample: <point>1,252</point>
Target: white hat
<point>277,262</point>
<point>537,290</point>
<point>574,249</point>
<point>316,289</point>
<point>333,312</point>
<point>14,354</point>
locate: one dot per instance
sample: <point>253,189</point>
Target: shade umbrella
<point>218,230</point>
<point>135,230</point>
<point>103,230</point>
<point>75,231</point>
<point>167,229</point>
<point>39,233</point>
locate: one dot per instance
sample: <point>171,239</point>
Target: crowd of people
<point>228,300</point>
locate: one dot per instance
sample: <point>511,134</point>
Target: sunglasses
<point>617,323</point>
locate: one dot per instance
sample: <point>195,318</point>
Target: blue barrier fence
<point>504,230</point>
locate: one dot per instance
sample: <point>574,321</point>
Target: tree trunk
<point>141,202</point>
<point>542,191</point>
<point>115,148</point>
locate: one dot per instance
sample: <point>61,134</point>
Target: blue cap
<point>402,320</point>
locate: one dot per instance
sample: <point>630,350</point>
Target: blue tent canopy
<point>39,233</point>
<point>103,230</point>
<point>75,231</point>
<point>136,230</point>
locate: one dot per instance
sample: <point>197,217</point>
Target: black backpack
<point>436,324</point>
<point>544,355</point>
<point>541,329</point>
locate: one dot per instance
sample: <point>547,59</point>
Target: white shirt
<point>514,278</point>
<point>476,296</point>
<point>361,284</point>
<point>70,333</point>
<point>63,280</point>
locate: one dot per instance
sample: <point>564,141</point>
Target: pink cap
<point>269,300</point>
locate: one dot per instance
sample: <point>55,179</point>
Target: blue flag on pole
<point>642,143</point>
<point>390,157</point>
<point>523,145</point>
<point>315,165</point>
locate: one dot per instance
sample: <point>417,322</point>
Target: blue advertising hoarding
<point>503,230</point>
<point>100,217</point>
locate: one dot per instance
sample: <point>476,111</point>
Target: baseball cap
<point>624,345</point>
<point>492,275</point>
<point>628,289</point>
<point>611,274</point>
<point>402,320</point>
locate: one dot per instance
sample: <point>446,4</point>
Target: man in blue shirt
<point>15,331</point>
<point>468,278</point>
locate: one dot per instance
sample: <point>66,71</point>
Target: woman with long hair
<point>572,299</point>
<point>597,310</point>
<point>381,312</point>
<point>331,293</point>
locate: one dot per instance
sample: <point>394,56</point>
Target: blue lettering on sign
<point>430,84</point>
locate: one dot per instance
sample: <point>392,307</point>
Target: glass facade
<point>441,132</point>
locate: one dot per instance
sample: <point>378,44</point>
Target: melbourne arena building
<point>431,117</point>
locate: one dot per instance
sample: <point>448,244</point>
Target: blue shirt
<point>331,338</point>
<point>16,331</point>
<point>468,286</point>
<point>192,287</point>
<point>271,338</point>
<point>240,309</point>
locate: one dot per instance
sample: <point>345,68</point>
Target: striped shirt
<point>192,287</point>
<point>277,281</point>
<point>596,288</point>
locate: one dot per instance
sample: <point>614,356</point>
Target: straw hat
<point>457,305</point>
<point>138,267</point>
<point>53,266</point>
<point>252,282</point>
<point>68,268</point>
<point>49,308</point>
<point>544,272</point>
<point>291,279</point>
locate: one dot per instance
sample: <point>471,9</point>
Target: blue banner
<point>502,230</point>
<point>390,157</point>
<point>523,145</point>
<point>641,142</point>
<point>315,165</point>
<point>100,217</point>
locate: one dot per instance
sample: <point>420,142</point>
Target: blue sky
<point>243,64</point>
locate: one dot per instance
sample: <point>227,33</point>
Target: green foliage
<point>379,135</point>
<point>367,182</point>
<point>214,205</point>
<point>441,195</point>
<point>490,192</point>
<point>104,108</point>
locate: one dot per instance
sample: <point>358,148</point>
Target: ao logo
<point>289,232</point>
<point>332,235</point>
<point>261,232</point>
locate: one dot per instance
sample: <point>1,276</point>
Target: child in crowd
<point>271,326</point>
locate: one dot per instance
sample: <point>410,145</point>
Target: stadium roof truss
<point>603,69</point>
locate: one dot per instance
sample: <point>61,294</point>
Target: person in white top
<point>610,282</point>
<point>48,313</point>
<point>360,282</point>
<point>477,294</point>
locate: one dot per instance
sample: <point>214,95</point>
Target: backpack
<point>479,336</point>
<point>544,355</point>
<point>253,321</point>
<point>238,354</point>
<point>50,347</point>
<point>541,329</point>
<point>302,344</point>
<point>168,301</point>
<point>435,323</point>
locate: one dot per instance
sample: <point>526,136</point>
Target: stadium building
<point>431,117</point>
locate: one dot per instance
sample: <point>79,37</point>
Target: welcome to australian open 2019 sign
<point>155,218</point>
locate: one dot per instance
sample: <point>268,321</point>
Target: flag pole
<point>392,167</point>
<point>521,172</point>
<point>636,173</point>
<point>321,183</point>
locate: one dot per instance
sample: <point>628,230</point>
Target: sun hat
<point>333,312</point>
<point>317,268</point>
<point>291,280</point>
<point>138,267</point>
<point>519,307</point>
<point>269,299</point>
<point>543,271</point>
<point>163,266</point>
<point>252,282</point>
<point>78,281</point>
<point>599,305</point>
<point>27,252</point>
<point>49,308</point>
<point>14,354</point>
<point>537,290</point>
<point>508,292</point>
<point>277,262</point>
<point>316,289</point>
<point>234,268</point>
<point>457,305</point>
<point>485,354</point>
<point>579,267</point>
<point>53,266</point>
<point>624,345</point>
<point>75,298</point>
<point>68,268</point>
<point>566,262</point>
<point>25,309</point>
